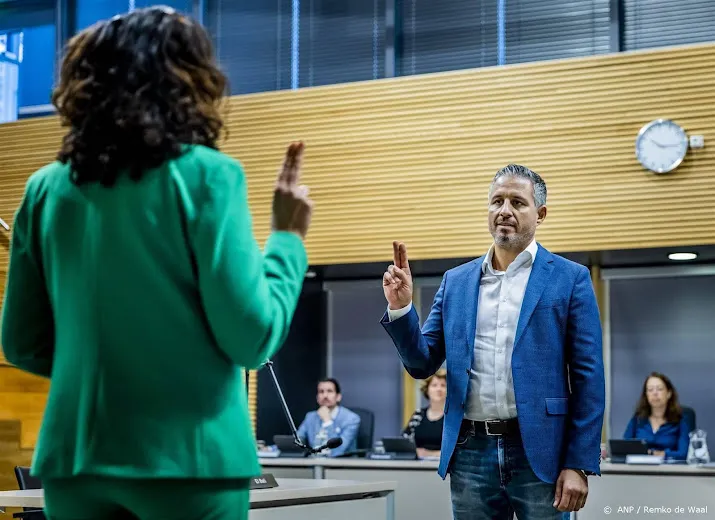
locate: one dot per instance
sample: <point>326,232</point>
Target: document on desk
<point>644,459</point>
<point>268,454</point>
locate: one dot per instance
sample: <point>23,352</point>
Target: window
<point>28,62</point>
<point>659,23</point>
<point>446,35</point>
<point>253,42</point>
<point>10,59</point>
<point>341,41</point>
<point>545,30</point>
<point>88,12</point>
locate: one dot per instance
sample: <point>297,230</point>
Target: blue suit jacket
<point>345,425</point>
<point>558,338</point>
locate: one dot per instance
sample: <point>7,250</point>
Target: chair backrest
<point>25,480</point>
<point>366,431</point>
<point>689,417</point>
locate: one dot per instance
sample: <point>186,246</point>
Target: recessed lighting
<point>310,274</point>
<point>682,256</point>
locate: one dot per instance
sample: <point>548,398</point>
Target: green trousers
<point>102,498</point>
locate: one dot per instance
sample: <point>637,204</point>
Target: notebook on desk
<point>644,459</point>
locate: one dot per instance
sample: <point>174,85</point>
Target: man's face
<point>327,396</point>
<point>513,215</point>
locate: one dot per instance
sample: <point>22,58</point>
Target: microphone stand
<point>294,431</point>
<point>266,480</point>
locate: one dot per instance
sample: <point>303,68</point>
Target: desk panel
<point>369,508</point>
<point>291,471</point>
<point>419,494</point>
<point>648,493</point>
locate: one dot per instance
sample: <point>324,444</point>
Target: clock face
<point>661,146</point>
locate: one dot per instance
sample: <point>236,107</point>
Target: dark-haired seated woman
<point>136,284</point>
<point>659,419</point>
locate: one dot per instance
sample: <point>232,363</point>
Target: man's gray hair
<point>517,170</point>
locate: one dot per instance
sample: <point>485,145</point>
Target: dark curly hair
<point>134,90</point>
<point>673,410</point>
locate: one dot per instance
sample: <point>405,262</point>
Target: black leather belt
<point>495,427</point>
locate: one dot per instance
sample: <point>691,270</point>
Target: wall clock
<point>661,146</point>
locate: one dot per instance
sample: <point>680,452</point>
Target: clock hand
<point>660,145</point>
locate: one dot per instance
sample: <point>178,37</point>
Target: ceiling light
<point>682,256</point>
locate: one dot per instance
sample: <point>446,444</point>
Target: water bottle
<point>698,448</point>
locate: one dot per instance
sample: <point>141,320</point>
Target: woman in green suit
<point>136,284</point>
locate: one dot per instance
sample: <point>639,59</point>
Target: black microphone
<point>331,444</point>
<point>334,443</point>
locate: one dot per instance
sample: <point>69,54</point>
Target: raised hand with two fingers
<point>397,280</point>
<point>292,209</point>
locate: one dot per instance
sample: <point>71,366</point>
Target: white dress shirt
<point>491,386</point>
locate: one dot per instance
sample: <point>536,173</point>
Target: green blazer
<point>142,303</point>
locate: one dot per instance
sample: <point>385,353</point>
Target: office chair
<point>366,432</point>
<point>689,417</point>
<point>27,481</point>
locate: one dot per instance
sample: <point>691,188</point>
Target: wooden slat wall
<point>11,455</point>
<point>411,158</point>
<point>23,398</point>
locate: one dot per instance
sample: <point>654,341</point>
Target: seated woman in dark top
<point>659,419</point>
<point>425,425</point>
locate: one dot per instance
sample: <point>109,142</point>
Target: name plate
<point>265,481</point>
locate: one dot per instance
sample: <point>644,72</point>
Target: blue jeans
<point>490,478</point>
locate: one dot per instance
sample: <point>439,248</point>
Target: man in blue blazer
<point>330,421</point>
<point>519,329</point>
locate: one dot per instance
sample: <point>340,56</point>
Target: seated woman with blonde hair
<point>425,425</point>
<point>659,419</point>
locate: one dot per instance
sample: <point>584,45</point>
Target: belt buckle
<point>486,427</point>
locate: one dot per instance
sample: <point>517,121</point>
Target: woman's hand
<point>292,209</point>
